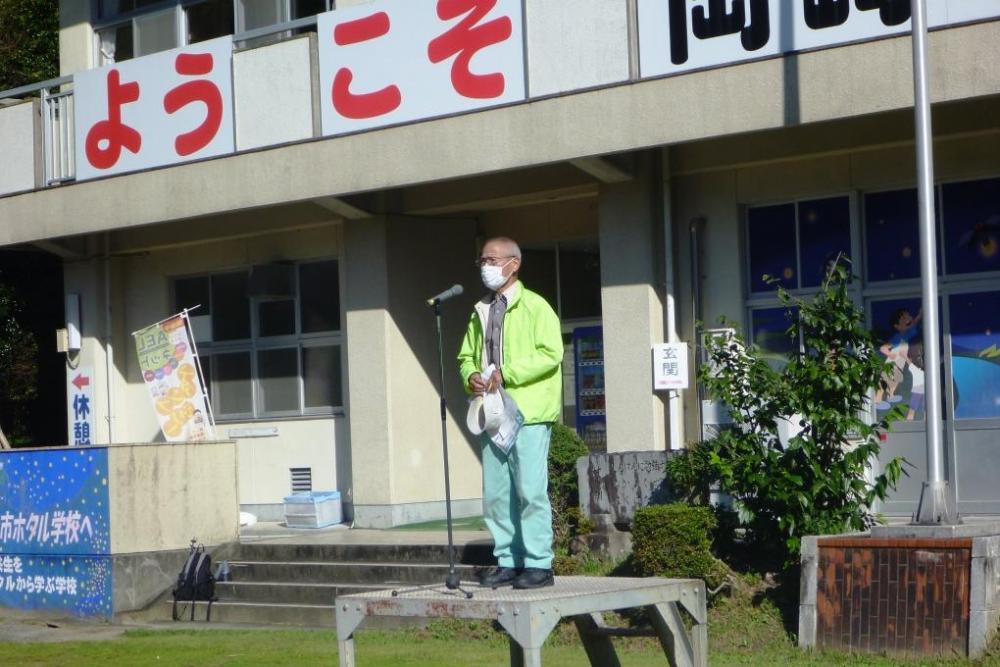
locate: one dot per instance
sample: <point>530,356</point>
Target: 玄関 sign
<point>55,537</point>
<point>164,108</point>
<point>670,366</point>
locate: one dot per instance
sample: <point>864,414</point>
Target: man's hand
<point>496,380</point>
<point>477,384</point>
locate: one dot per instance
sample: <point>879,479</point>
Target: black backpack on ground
<point>195,582</point>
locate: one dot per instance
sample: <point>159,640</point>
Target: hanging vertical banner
<point>169,369</point>
<point>80,406</point>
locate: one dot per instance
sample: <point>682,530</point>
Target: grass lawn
<point>441,645</point>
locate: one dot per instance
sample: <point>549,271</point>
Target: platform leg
<point>516,656</point>
<point>673,636</point>
<point>346,651</point>
<point>599,647</point>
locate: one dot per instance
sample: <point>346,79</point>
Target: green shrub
<point>565,448</point>
<point>814,482</point>
<point>691,473</point>
<point>568,523</point>
<point>675,541</point>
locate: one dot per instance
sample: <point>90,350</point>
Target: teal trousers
<point>516,504</point>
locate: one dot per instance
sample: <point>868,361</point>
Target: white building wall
<point>574,45</point>
<point>264,463</point>
<point>21,139</point>
<point>273,91</point>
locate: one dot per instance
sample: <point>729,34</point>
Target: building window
<point>971,212</point>
<point>793,244</point>
<point>568,276</point>
<point>132,28</point>
<point>974,320</point>
<point>269,338</point>
<point>785,240</point>
<point>891,235</point>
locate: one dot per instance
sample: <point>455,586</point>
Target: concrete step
<point>284,592</point>
<point>472,553</point>
<point>344,573</point>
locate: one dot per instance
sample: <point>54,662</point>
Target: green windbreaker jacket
<point>532,353</point>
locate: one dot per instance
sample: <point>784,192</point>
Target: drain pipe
<point>109,348</point>
<point>675,414</point>
<point>696,229</point>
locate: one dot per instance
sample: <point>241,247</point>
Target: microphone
<point>454,290</point>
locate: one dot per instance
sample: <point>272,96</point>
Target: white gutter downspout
<point>109,349</point>
<point>675,415</point>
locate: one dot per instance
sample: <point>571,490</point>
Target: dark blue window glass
<point>975,341</point>
<point>769,332</point>
<point>824,232</point>
<point>972,226</point>
<point>771,232</point>
<point>891,237</point>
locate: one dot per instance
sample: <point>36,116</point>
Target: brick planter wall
<point>904,596</point>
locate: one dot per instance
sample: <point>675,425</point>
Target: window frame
<point>256,344</point>
<point>754,301</point>
<point>102,23</point>
<point>864,292</point>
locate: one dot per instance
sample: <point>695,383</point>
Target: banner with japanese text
<point>80,406</point>
<point>682,35</point>
<point>397,61</point>
<point>160,109</point>
<point>169,369</point>
<point>55,537</point>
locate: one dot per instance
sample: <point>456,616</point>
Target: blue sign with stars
<point>55,538</point>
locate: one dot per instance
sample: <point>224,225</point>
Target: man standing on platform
<point>516,331</point>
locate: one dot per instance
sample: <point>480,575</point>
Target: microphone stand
<point>452,581</point>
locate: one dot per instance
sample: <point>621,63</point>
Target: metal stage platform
<point>529,616</point>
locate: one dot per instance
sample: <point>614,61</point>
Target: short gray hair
<point>512,247</point>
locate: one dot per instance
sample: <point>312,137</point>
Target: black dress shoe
<point>498,576</point>
<point>533,577</point>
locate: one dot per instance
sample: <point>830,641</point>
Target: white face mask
<point>493,276</point>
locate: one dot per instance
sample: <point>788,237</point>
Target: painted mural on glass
<point>975,352</point>
<point>897,325</point>
<point>54,531</point>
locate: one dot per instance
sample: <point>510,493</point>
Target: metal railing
<point>58,137</point>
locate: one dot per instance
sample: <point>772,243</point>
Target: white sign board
<point>670,366</point>
<point>165,108</point>
<point>80,405</point>
<point>681,35</point>
<point>397,61</point>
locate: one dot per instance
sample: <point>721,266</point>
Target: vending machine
<point>588,358</point>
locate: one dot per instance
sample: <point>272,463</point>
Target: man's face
<point>499,254</point>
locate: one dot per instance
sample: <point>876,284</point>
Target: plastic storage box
<point>315,509</point>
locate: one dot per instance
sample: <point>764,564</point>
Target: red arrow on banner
<point>81,381</point>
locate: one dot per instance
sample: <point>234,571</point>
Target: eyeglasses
<point>492,261</point>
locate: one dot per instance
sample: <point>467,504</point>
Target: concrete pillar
<point>392,266</point>
<point>88,278</point>
<point>631,268</point>
<point>366,291</point>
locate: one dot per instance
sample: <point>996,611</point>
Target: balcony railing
<point>58,143</point>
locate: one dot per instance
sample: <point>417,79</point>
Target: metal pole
<point>935,505</point>
<point>452,580</point>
